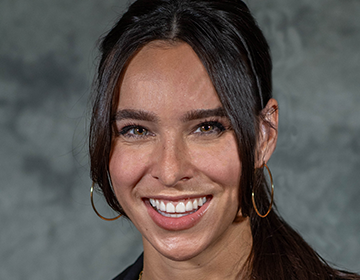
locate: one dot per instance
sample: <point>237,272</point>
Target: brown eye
<point>206,128</point>
<point>140,131</point>
<point>134,131</point>
<point>210,128</point>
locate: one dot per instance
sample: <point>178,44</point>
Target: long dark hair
<point>232,48</point>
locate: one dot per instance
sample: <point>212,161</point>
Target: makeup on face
<point>174,162</point>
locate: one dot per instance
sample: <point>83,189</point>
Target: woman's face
<point>174,163</point>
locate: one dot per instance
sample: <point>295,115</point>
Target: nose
<point>171,163</point>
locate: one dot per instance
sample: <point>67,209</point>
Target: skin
<point>169,156</point>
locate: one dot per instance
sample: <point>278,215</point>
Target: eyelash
<point>218,129</point>
<point>125,131</point>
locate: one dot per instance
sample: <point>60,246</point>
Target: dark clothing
<point>133,271</point>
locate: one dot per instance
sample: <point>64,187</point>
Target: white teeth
<point>162,206</point>
<point>195,204</point>
<point>200,202</point>
<point>180,208</point>
<point>189,206</point>
<point>170,208</point>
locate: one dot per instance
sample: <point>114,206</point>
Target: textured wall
<point>47,60</point>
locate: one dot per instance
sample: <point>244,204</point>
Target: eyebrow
<point>151,117</point>
<point>204,113</point>
<point>136,115</point>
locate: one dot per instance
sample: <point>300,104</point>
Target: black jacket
<point>133,271</point>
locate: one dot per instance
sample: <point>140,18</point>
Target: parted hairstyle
<point>232,48</point>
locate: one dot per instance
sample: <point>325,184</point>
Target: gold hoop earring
<point>272,194</point>
<point>93,206</point>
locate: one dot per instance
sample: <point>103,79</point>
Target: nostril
<point>170,182</point>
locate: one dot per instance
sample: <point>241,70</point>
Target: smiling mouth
<point>177,209</point>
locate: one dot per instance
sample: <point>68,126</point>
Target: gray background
<point>47,61</point>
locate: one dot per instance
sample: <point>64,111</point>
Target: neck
<point>225,259</point>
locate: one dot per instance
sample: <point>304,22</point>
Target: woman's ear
<point>267,134</point>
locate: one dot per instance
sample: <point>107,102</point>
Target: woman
<point>183,125</point>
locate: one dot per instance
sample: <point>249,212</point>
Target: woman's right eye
<point>134,131</point>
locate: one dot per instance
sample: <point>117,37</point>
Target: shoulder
<point>132,272</point>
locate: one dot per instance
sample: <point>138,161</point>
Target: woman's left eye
<point>212,127</point>
<point>139,131</point>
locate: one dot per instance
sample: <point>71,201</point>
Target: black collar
<point>133,271</point>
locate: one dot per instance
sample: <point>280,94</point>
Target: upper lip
<point>176,198</point>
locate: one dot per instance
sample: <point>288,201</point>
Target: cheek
<point>220,162</point>
<point>126,167</point>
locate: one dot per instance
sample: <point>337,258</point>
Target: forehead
<point>164,74</point>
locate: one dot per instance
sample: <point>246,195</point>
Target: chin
<point>180,255</point>
<point>180,251</point>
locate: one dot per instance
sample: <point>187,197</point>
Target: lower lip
<point>175,224</point>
